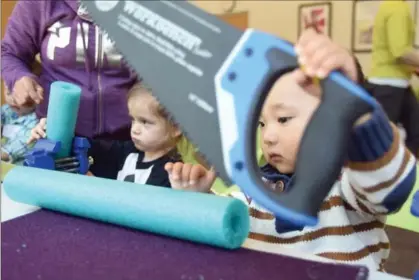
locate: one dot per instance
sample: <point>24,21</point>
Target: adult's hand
<point>26,92</point>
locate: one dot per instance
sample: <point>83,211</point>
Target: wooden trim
<point>6,10</point>
<point>239,19</point>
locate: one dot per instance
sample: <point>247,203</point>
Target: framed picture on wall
<point>363,16</point>
<point>317,15</point>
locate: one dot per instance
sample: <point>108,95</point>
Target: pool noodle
<point>63,107</point>
<point>197,217</point>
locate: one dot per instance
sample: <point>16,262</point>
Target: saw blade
<point>180,64</point>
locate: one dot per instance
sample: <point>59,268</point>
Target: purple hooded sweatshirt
<point>72,49</point>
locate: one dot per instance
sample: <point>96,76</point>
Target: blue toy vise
<point>61,151</point>
<point>44,155</point>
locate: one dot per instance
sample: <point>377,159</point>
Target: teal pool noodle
<point>197,217</point>
<point>63,108</point>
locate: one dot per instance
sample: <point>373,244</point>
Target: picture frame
<point>318,15</point>
<point>363,15</point>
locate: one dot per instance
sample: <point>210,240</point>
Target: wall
<point>281,18</point>
<point>276,17</point>
<point>6,10</point>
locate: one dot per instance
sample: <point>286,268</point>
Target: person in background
<point>16,125</point>
<point>393,63</point>
<point>377,179</point>
<point>72,49</point>
<point>142,159</point>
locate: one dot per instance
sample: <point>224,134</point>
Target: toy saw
<point>213,79</point>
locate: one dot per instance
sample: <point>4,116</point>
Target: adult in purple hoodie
<point>72,49</point>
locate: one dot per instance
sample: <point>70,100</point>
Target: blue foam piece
<point>63,107</point>
<point>198,217</point>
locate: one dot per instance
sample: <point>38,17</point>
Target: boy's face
<point>285,114</point>
<point>149,132</point>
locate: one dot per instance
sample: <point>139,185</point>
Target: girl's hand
<point>186,176</point>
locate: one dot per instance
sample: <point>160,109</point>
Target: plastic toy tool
<point>44,155</point>
<point>61,150</point>
<point>208,73</point>
<point>414,209</point>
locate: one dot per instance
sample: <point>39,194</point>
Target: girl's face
<point>149,131</point>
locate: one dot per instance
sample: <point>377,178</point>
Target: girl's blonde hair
<point>139,89</point>
<point>183,146</point>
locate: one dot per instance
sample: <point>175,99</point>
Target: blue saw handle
<point>245,80</point>
<point>414,209</point>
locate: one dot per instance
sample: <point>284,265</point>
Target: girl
<point>153,143</point>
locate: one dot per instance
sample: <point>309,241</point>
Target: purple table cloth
<point>52,246</point>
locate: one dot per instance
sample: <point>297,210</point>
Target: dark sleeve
<point>159,177</point>
<point>360,73</point>
<point>22,40</point>
<point>109,156</point>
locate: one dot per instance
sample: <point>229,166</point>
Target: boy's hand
<point>38,131</point>
<point>5,156</point>
<point>320,55</point>
<point>186,176</point>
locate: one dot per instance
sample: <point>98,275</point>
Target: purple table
<point>51,246</point>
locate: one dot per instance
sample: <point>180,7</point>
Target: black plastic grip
<point>323,148</point>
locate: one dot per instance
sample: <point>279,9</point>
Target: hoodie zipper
<point>99,79</point>
<point>82,13</point>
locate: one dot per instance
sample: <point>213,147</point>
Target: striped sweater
<point>377,179</point>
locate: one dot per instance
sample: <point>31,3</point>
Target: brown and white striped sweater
<point>376,181</point>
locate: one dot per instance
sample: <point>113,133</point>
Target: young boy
<point>376,180</point>
<point>16,126</point>
<point>142,160</point>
